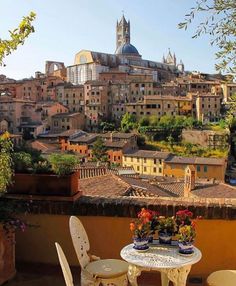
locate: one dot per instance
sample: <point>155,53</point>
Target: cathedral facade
<point>88,64</point>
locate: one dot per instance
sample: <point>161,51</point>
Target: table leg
<point>164,279</point>
<point>133,273</point>
<point>178,275</point>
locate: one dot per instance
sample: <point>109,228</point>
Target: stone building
<point>88,64</point>
<point>65,121</point>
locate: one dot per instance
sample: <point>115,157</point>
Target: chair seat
<point>107,268</point>
<point>222,277</point>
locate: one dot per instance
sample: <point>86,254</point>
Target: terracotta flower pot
<point>45,184</point>
<point>7,255</point>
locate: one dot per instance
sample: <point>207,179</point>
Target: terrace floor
<point>48,275</point>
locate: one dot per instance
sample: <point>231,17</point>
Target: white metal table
<point>165,259</point>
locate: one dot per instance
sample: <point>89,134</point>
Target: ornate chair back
<point>80,241</point>
<point>64,266</point>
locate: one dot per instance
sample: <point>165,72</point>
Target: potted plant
<point>186,235</point>
<point>185,231</point>
<point>58,174</point>
<point>9,221</point>
<point>166,228</point>
<point>152,217</point>
<point>141,229</point>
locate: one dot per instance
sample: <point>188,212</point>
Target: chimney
<point>111,137</point>
<point>189,180</point>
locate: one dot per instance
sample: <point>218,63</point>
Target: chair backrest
<point>64,266</point>
<point>80,241</point>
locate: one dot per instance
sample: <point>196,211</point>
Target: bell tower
<point>122,31</point>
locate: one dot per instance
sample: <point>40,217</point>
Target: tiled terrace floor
<point>38,275</point>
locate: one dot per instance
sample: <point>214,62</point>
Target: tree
<point>6,170</point>
<point>17,36</point>
<point>231,112</point>
<point>99,151</point>
<point>220,24</point>
<point>107,126</point>
<point>128,122</point>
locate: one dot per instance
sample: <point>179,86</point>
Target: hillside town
<point>154,117</point>
<point>117,168</point>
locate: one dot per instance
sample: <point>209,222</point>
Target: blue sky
<point>65,27</point>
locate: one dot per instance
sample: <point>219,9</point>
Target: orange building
<point>116,144</point>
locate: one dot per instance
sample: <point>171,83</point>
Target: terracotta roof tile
<point>104,186</point>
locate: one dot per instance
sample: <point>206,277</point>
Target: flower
<point>145,224</point>
<point>183,217</point>
<point>187,233</point>
<point>166,224</point>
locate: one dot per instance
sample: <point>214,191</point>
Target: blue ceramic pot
<point>165,237</point>
<point>141,243</point>
<point>150,239</point>
<point>185,247</point>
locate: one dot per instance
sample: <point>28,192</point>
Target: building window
<point>154,169</point>
<point>137,168</point>
<point>198,168</point>
<point>205,169</point>
<point>145,169</point>
<point>154,161</point>
<point>131,159</point>
<point>124,158</point>
<point>145,160</point>
<point>160,170</point>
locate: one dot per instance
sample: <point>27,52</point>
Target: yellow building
<point>205,168</point>
<point>158,105</point>
<point>156,163</point>
<point>146,162</point>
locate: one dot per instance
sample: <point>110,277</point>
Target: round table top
<point>159,256</point>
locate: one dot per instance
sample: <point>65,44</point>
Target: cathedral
<point>88,64</point>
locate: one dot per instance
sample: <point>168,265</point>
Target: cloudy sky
<point>65,27</point>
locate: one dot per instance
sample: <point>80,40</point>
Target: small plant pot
<point>150,239</point>
<point>185,247</point>
<point>165,237</point>
<point>141,244</point>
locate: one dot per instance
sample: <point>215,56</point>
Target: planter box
<point>7,256</point>
<point>45,184</point>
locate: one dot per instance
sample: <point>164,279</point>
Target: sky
<point>63,28</point>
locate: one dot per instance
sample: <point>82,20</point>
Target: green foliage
<point>166,224</point>
<point>144,121</point>
<point>63,164</point>
<point>99,151</point>
<point>220,24</point>
<point>107,126</point>
<point>6,170</point>
<point>231,113</point>
<point>35,154</point>
<point>22,161</point>
<point>42,167</point>
<point>186,149</point>
<point>128,122</point>
<point>17,36</point>
<point>141,141</point>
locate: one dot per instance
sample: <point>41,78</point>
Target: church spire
<point>122,31</point>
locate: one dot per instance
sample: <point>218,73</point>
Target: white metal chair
<point>96,271</point>
<point>64,266</point>
<point>222,277</point>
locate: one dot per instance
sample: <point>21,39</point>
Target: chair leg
<point>118,281</point>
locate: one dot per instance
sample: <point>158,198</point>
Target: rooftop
<point>148,154</point>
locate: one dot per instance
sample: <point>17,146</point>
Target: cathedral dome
<point>127,48</point>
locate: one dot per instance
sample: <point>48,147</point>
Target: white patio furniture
<point>64,266</point>
<point>96,271</point>
<point>222,277</point>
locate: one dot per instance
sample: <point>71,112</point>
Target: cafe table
<point>163,258</point>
